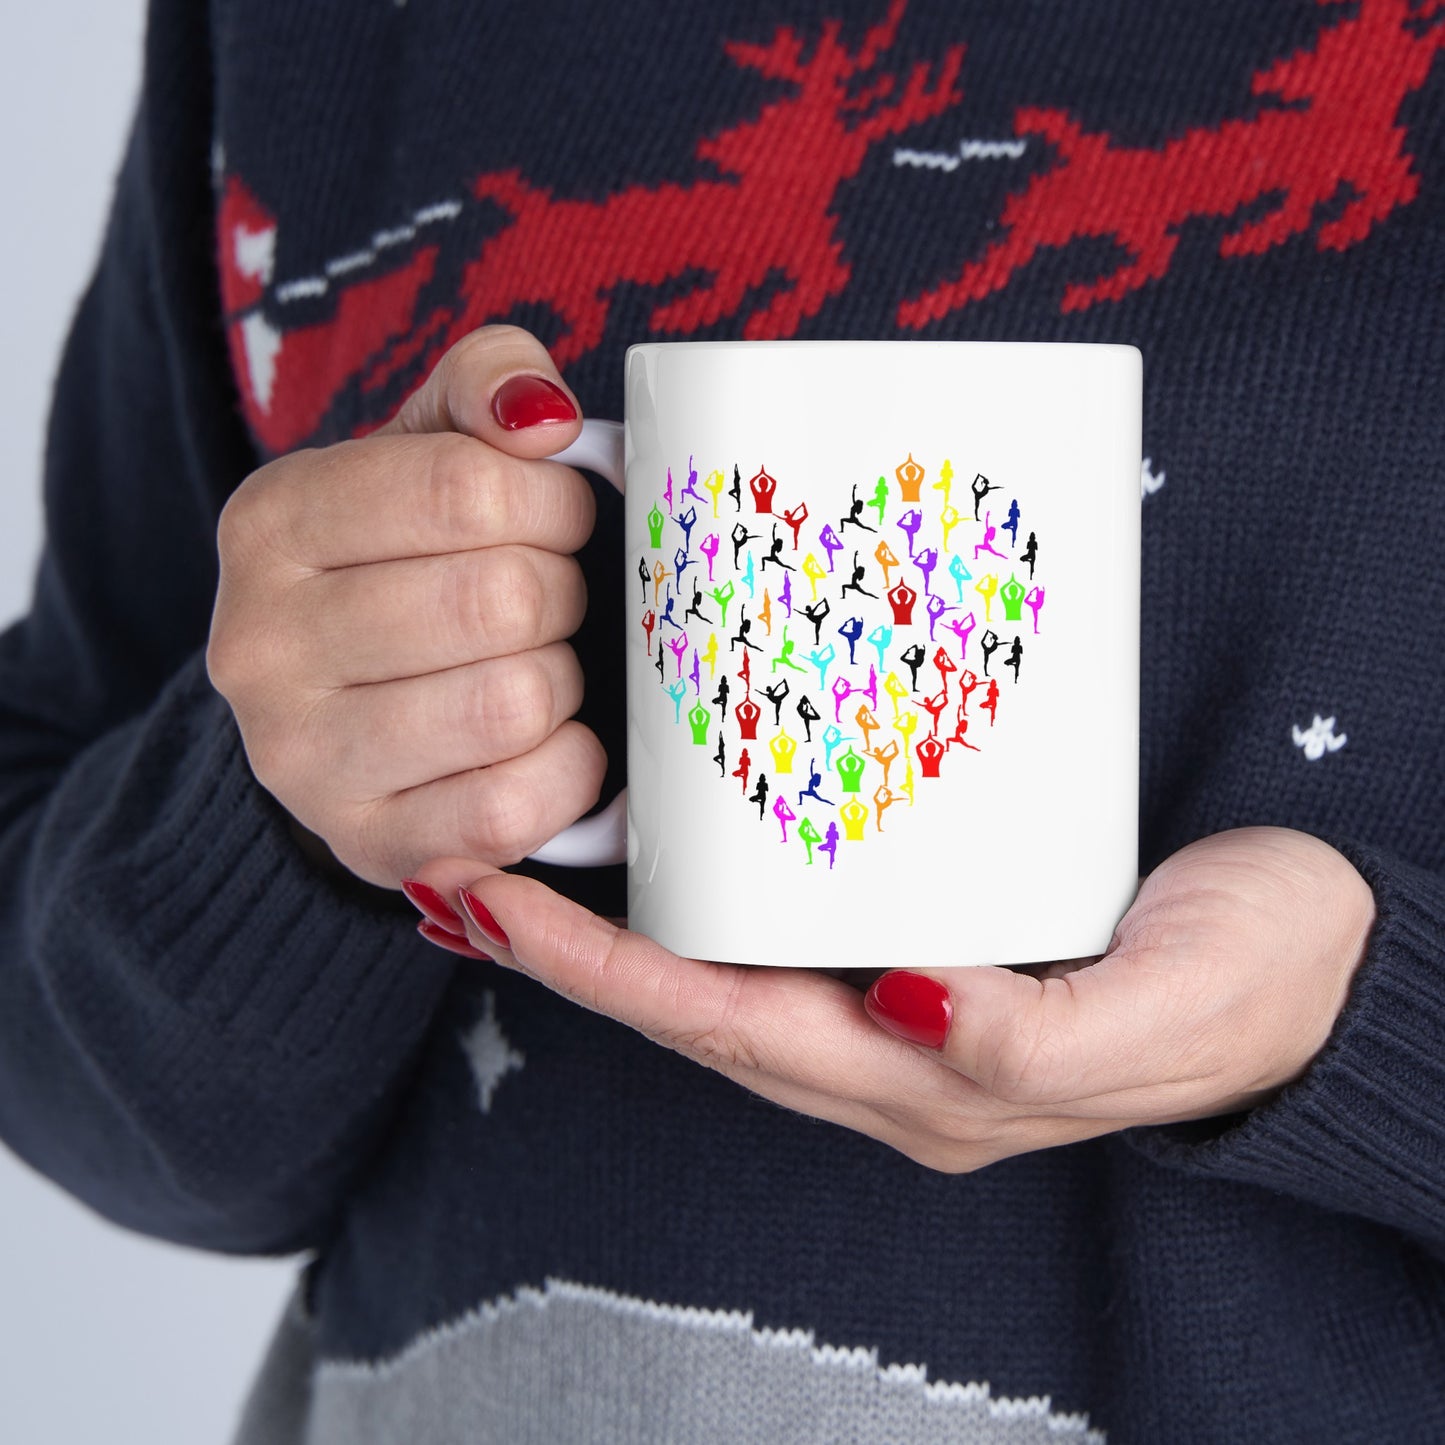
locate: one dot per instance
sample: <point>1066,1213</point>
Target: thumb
<point>1029,1040</point>
<point>499,385</point>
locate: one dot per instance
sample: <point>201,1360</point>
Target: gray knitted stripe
<point>574,1365</point>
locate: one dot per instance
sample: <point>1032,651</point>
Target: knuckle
<point>505,332</point>
<point>593,988</point>
<point>222,661</point>
<point>526,703</point>
<point>253,649</point>
<point>958,1138</point>
<point>571,592</point>
<point>504,816</point>
<point>452,497</point>
<point>462,606</point>
<point>510,811</point>
<point>292,755</point>
<point>233,526</point>
<point>567,683</point>
<point>256,515</point>
<point>586,763</point>
<point>234,662</point>
<point>367,843</point>
<point>451,376</point>
<point>953,1132</point>
<point>716,1049</point>
<point>330,740</point>
<point>473,491</point>
<point>947,1156</point>
<point>567,509</point>
<point>596,762</point>
<point>512,709</point>
<point>486,341</point>
<point>467,370</point>
<point>241,524</point>
<point>1025,1063</point>
<point>718,1043</point>
<point>511,603</point>
<point>971,1129</point>
<point>270,756</point>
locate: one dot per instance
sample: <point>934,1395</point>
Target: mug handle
<point>602,838</point>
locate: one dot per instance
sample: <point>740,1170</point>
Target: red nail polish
<point>914,1008</point>
<point>523,401</point>
<point>481,915</point>
<point>434,906</point>
<point>450,941</point>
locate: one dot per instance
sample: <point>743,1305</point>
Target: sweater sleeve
<point>201,1036</point>
<point>1362,1132</point>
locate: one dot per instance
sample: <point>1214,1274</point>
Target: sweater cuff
<point>227,918</point>
<point>1363,1130</point>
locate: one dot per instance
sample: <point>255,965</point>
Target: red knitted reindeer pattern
<point>762,218</point>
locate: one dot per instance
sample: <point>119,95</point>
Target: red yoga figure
<point>747,713</point>
<point>762,486</point>
<point>930,754</point>
<point>901,600</point>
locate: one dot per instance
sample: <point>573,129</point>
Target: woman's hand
<point>1221,984</point>
<point>390,620</point>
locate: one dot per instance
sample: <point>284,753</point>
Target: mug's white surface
<point>1022,851</point>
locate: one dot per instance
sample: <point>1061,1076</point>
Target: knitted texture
<point>206,1039</point>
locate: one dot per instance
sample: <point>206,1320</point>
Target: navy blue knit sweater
<point>529,1223</point>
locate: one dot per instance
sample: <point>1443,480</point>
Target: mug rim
<point>883,343</point>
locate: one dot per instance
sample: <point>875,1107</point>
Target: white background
<point>104,1336</point>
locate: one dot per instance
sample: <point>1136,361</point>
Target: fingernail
<point>481,916</point>
<point>914,1008</point>
<point>523,401</point>
<point>450,941</point>
<point>434,906</point>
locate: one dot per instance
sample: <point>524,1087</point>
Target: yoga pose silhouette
<point>763,486</point>
<point>815,779</point>
<point>809,715</point>
<point>760,795</point>
<point>981,488</point>
<point>1030,554</point>
<point>815,613</point>
<point>856,585</point>
<point>696,609</point>
<point>740,539</point>
<point>775,553</point>
<point>912,659</point>
<point>745,764</point>
<point>829,538</point>
<point>775,695</point>
<point>708,547</point>
<point>855,515</point>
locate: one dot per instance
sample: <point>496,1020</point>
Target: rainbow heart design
<point>779,636</point>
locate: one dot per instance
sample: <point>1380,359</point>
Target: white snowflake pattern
<point>489,1052</point>
<point>1319,738</point>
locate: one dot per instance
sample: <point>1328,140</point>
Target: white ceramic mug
<point>882,650</point>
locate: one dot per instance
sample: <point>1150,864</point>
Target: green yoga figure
<point>1011,594</point>
<point>850,771</point>
<point>698,719</point>
<point>722,596</point>
<point>785,657</point>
